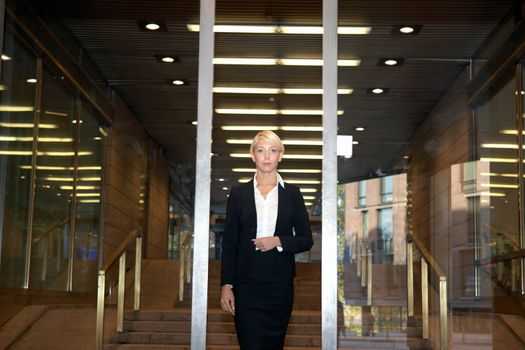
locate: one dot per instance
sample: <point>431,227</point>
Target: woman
<point>258,248</point>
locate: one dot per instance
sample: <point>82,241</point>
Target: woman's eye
<point>274,150</point>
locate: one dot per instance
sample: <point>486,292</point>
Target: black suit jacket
<point>238,250</point>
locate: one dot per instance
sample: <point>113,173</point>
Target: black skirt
<point>262,313</point>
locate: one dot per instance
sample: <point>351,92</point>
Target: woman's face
<point>266,156</point>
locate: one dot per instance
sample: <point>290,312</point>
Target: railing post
<point>364,261</point>
<point>424,297</point>
<point>101,289</point>
<point>121,292</point>
<point>369,277</point>
<point>410,280</point>
<point>443,313</point>
<point>138,271</point>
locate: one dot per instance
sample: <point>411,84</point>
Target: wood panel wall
<point>126,173</point>
<point>158,204</point>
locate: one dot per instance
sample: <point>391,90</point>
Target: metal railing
<point>118,254</point>
<point>364,267</point>
<point>427,259</point>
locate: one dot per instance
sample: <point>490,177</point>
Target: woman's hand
<point>228,299</point>
<point>267,243</point>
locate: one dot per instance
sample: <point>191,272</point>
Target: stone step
<point>212,327</point>
<point>214,315</point>
<point>182,338</point>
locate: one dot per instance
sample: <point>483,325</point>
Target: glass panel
<point>89,191</point>
<point>16,146</point>
<point>50,251</point>
<point>378,259</point>
<point>498,180</point>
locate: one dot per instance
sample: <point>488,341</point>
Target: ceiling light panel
<point>271,127</point>
<point>281,61</point>
<point>271,91</point>
<point>272,111</point>
<point>275,29</point>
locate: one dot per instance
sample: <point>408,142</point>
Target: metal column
<point>329,201</point>
<point>199,301</point>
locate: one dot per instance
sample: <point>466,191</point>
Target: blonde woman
<point>266,225</point>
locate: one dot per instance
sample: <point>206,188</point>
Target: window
<point>386,189</point>
<point>361,195</point>
<point>384,236</point>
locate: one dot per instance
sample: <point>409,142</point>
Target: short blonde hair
<point>269,136</point>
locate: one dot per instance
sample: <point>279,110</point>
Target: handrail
<point>120,254</point>
<point>50,229</point>
<point>119,250</point>
<point>427,259</point>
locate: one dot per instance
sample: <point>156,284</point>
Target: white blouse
<point>267,209</point>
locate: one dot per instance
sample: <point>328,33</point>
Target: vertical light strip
<point>199,300</point>
<point>329,201</point>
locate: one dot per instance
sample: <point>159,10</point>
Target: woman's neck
<point>266,178</point>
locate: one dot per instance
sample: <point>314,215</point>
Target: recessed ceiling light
<point>390,61</point>
<point>355,142</point>
<point>225,188</point>
<point>220,179</point>
<point>178,82</point>
<point>31,80</point>
<point>152,26</point>
<point>378,91</point>
<point>406,29</point>
<point>167,58</point>
<point>359,128</point>
<point>194,122</point>
<point>5,58</point>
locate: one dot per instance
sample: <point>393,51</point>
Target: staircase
<point>169,327</point>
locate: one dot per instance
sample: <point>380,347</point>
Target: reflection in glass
<point>498,178</point>
<point>16,131</point>
<point>87,215</point>
<point>373,279</point>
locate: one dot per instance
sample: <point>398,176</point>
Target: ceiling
<point>451,31</point>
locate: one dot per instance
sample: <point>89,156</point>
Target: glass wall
<point>51,176</point>
<point>18,98</point>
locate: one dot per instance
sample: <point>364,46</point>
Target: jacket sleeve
<point>302,240</point>
<point>230,239</point>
